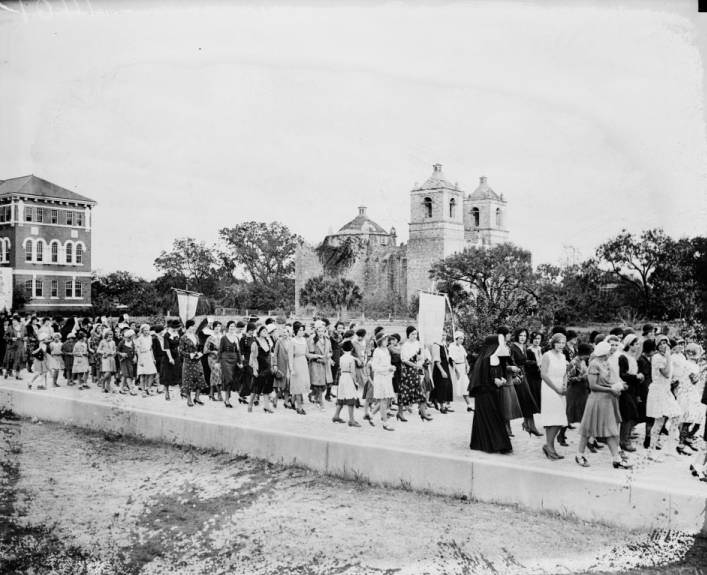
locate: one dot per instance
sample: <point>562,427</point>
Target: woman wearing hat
<point>661,404</point>
<point>192,370</point>
<point>553,414</point>
<point>55,360</point>
<point>488,429</point>
<point>460,368</point>
<point>230,361</point>
<point>125,351</point>
<point>442,394</point>
<point>299,372</point>
<point>632,379</point>
<point>601,414</point>
<point>211,350</point>
<point>261,364</point>
<point>106,353</point>
<point>15,352</point>
<point>319,356</point>
<point>383,371</point>
<point>145,358</point>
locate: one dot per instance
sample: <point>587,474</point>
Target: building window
<point>475,216</point>
<point>54,215</point>
<point>28,251</point>
<point>79,254</point>
<point>40,215</point>
<point>5,245</point>
<point>69,288</point>
<point>6,214</point>
<point>28,213</point>
<point>55,252</point>
<point>78,289</point>
<point>40,252</point>
<point>428,207</point>
<point>38,288</point>
<point>55,288</point>
<point>79,218</point>
<point>452,208</point>
<point>69,218</point>
<point>28,288</point>
<point>498,217</point>
<point>69,253</point>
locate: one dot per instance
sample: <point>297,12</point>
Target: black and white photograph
<point>370,287</point>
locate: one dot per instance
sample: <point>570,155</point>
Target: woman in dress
<point>382,378</point>
<point>644,368</point>
<point>31,340</point>
<point>211,349</point>
<point>67,350</point>
<point>281,367</point>
<point>602,417</point>
<point>460,368</point>
<point>299,374</point>
<point>394,349</point>
<point>528,406</point>
<point>260,362</point>
<point>230,361</point>
<point>80,367</point>
<point>125,352</point>
<point>578,388</point>
<point>347,391</point>
<point>442,393</point>
<point>94,359</point>
<point>171,369</point>
<point>15,353</point>
<point>145,359</point>
<point>319,355</point>
<point>488,429</point>
<point>246,374</point>
<point>55,361</point>
<point>410,388</point>
<point>661,404</point>
<point>510,406</point>
<point>532,367</point>
<point>192,370</point>
<point>693,412</point>
<point>553,414</point>
<point>632,379</point>
<point>106,353</point>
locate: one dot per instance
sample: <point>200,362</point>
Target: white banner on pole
<point>5,288</point>
<point>187,302</point>
<point>430,317</point>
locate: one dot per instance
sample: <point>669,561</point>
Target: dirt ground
<point>78,502</point>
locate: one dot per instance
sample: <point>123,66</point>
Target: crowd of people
<point>599,385</point>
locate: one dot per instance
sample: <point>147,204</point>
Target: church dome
<point>361,224</point>
<point>484,191</point>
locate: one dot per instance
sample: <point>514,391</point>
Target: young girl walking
<point>347,392</point>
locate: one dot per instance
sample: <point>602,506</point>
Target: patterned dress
<point>211,349</point>
<point>410,390</point>
<point>192,371</point>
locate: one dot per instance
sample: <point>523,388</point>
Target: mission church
<point>443,220</point>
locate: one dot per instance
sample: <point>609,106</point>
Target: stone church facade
<point>443,220</point>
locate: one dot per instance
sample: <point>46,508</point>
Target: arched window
<point>40,251</point>
<point>79,253</point>
<point>475,216</point>
<point>55,252</point>
<point>428,207</point>
<point>498,217</point>
<point>452,208</point>
<point>69,252</point>
<point>28,251</point>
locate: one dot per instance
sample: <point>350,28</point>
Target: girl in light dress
<point>347,393</point>
<point>690,396</point>
<point>553,414</point>
<point>80,367</point>
<point>55,360</point>
<point>460,368</point>
<point>299,371</point>
<point>146,372</point>
<point>125,352</point>
<point>106,354</point>
<point>661,404</point>
<point>383,371</point>
<point>40,363</point>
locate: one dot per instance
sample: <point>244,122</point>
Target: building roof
<point>484,191</point>
<point>437,180</point>
<point>33,186</point>
<point>361,224</point>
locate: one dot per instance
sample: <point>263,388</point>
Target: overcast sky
<point>179,121</point>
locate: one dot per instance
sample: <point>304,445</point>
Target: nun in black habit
<point>488,430</point>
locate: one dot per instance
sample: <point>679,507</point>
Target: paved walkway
<point>446,435</point>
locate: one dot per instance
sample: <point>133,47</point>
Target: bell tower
<point>485,216</point>
<point>436,227</point>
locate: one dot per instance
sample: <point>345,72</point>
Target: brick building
<point>443,220</point>
<point>45,239</point>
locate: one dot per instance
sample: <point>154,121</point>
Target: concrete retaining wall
<point>631,505</point>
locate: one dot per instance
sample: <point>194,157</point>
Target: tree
<point>123,288</point>
<point>330,293</point>
<point>499,281</point>
<point>634,260</point>
<point>191,261</point>
<point>265,251</point>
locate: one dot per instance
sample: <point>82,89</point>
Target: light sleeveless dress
<point>554,411</point>
<point>661,402</point>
